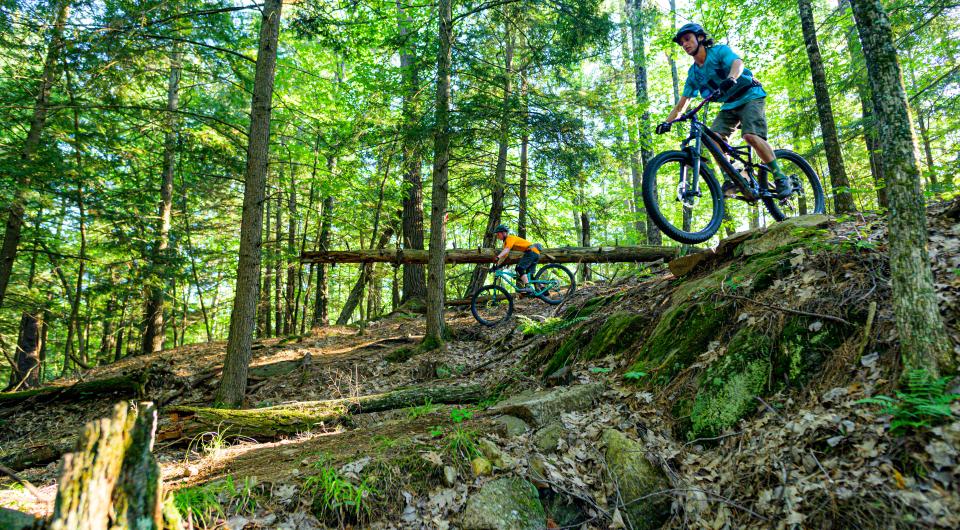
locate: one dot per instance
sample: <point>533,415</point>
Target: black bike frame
<point>701,135</point>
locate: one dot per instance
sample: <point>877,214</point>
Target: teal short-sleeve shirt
<point>704,79</point>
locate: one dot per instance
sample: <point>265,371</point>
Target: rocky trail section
<point>723,394</point>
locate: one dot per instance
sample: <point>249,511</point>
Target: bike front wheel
<point>686,213</point>
<point>558,280</point>
<point>491,305</point>
<point>807,197</point>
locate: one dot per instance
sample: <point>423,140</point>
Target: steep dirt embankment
<point>724,394</point>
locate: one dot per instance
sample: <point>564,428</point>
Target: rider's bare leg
<point>761,146</point>
<point>523,280</point>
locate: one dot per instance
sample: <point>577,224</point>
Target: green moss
<point>681,335</point>
<point>618,333</point>
<point>592,305</point>
<point>804,346</point>
<point>400,355</point>
<point>727,388</point>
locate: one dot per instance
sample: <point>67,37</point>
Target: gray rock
<point>637,478</point>
<point>545,440</point>
<point>542,408</point>
<point>504,504</point>
<point>494,454</point>
<point>514,426</point>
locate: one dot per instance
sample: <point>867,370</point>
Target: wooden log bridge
<point>639,253</point>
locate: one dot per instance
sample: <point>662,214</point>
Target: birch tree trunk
<point>924,343</point>
<point>11,235</point>
<point>842,196</point>
<point>243,316</point>
<point>436,280</point>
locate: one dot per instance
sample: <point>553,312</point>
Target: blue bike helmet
<point>692,27</point>
<point>501,228</point>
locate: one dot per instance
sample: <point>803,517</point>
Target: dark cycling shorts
<point>527,262</point>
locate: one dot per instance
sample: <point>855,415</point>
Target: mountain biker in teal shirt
<point>716,68</point>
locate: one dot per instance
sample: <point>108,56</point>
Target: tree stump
<point>112,479</point>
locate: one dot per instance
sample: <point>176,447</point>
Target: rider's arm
<point>736,69</point>
<point>679,107</point>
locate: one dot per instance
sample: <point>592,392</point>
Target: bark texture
<point>26,373</point>
<point>243,316</point>
<point>842,196</point>
<point>414,280</point>
<point>644,135</point>
<point>923,340</point>
<point>436,281</point>
<point>185,422</point>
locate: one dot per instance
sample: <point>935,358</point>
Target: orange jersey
<point>518,243</point>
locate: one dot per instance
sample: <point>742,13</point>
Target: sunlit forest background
<point>548,89</point>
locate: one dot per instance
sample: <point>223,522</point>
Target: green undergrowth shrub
<point>208,504</point>
<point>923,403</point>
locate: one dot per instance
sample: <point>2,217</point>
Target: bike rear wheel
<point>491,305</point>
<point>806,199</point>
<point>687,216</point>
<point>562,283</point>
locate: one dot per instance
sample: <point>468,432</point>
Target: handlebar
<point>693,112</point>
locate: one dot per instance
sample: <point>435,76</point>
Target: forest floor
<point>639,407</point>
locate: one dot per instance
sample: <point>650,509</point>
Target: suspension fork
<point>693,187</point>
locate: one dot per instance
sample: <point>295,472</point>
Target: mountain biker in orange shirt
<point>531,254</point>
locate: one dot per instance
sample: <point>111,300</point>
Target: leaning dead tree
<point>638,254</point>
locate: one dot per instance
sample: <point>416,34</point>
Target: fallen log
<point>294,418</point>
<point>640,253</point>
<point>131,385</point>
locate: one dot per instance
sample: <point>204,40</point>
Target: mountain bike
<point>673,184</point>
<point>493,303</point>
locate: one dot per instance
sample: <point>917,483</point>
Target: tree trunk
<point>27,355</point>
<point>153,332</point>
<point>288,320</point>
<point>187,422</point>
<point>670,55</point>
<point>436,280</point>
<point>524,163</point>
<point>321,310</point>
<point>243,316</point>
<point>585,241</point>
<point>842,196</point>
<point>498,191</point>
<point>414,282</point>
<point>277,269</point>
<point>264,322</point>
<point>870,136</point>
<point>109,340</point>
<point>924,343</point>
<point>73,324</point>
<point>643,102</point>
<point>11,236</point>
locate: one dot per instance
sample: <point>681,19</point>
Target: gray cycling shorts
<point>750,116</point>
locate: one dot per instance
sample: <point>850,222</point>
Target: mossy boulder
<point>727,389</point>
<point>805,343</point>
<point>640,483</point>
<point>617,333</point>
<point>504,504</point>
<point>679,337</point>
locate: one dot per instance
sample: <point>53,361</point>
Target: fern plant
<point>924,402</point>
